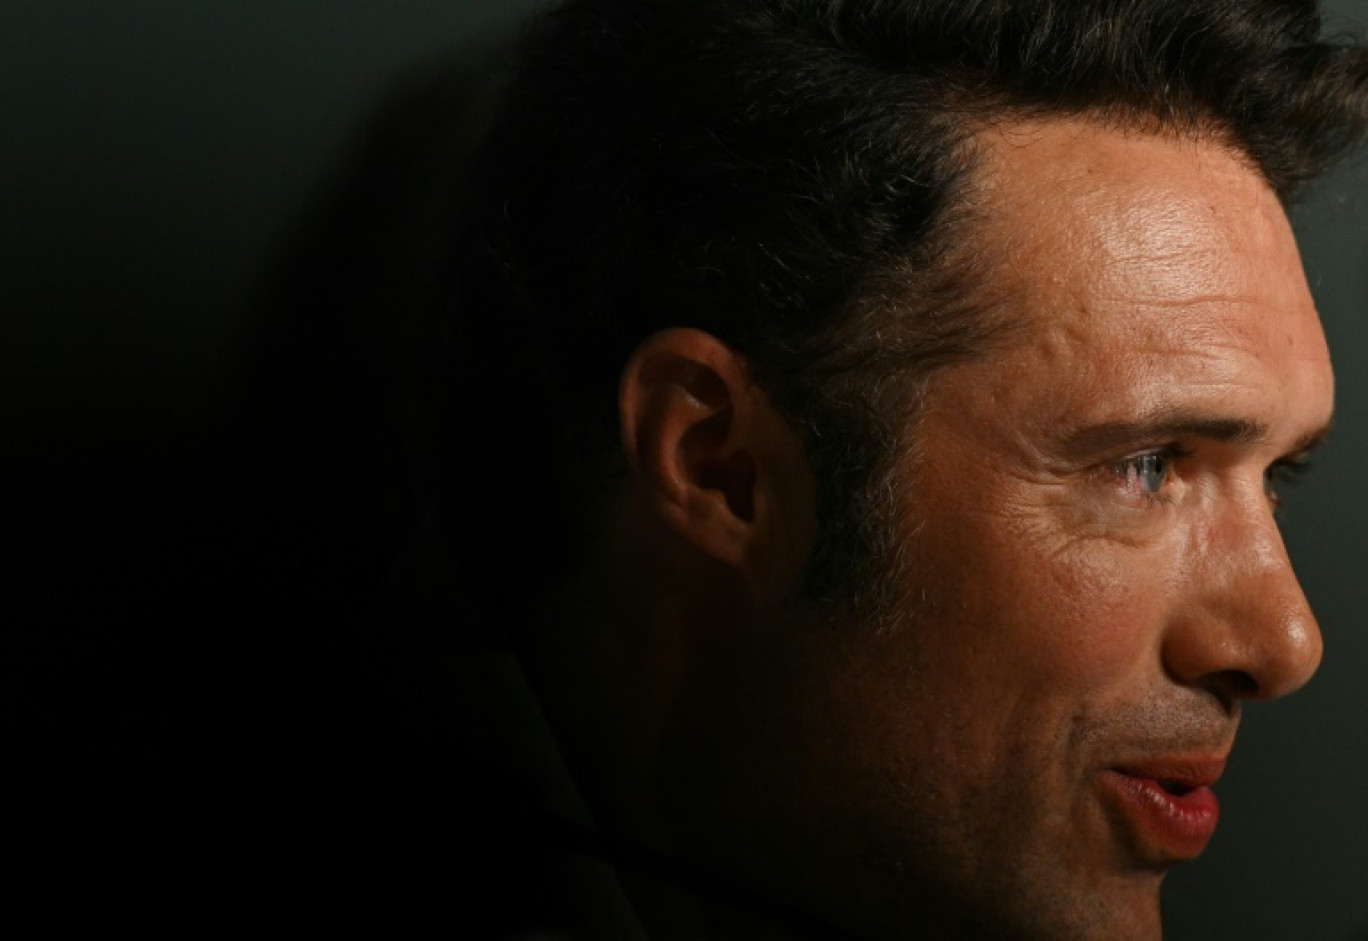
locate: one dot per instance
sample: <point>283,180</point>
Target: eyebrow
<point>1167,425</point>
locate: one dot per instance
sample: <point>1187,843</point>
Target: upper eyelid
<point>1171,449</point>
<point>1298,459</point>
<point>1189,432</point>
<point>1161,428</point>
<point>1292,467</point>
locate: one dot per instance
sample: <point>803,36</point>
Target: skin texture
<point>1069,608</point>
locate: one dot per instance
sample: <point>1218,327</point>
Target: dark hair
<point>788,175</point>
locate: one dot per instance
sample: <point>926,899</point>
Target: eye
<point>1147,478</point>
<point>1283,474</point>
<point>1146,473</point>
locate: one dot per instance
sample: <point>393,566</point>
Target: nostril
<point>1234,685</point>
<point>1249,639</point>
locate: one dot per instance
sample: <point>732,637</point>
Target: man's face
<point>1093,577</point>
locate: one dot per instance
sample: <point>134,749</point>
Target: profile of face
<point>1094,579</point>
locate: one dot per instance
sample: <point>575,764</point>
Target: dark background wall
<point>154,155</point>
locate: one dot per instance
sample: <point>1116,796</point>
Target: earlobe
<point>686,411</point>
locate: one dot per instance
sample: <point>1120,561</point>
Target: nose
<point>1248,632</point>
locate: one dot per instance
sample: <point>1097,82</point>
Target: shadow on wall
<point>212,597</point>
<point>325,442</point>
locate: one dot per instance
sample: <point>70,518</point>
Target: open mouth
<point>1170,814</point>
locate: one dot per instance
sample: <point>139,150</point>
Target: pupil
<point>1153,470</point>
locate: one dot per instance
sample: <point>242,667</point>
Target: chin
<point>1125,912</point>
<point>1127,909</point>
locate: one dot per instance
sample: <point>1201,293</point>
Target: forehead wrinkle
<point>1208,326</point>
<point>1212,343</point>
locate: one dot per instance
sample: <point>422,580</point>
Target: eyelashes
<point>1281,475</point>
<point>1149,476</point>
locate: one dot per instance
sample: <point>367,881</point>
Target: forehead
<point>1162,261</point>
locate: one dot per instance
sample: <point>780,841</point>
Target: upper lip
<point>1180,773</point>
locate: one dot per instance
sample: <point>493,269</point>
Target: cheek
<point>1098,612</point>
<point>1042,614</point>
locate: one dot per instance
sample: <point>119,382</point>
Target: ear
<point>716,461</point>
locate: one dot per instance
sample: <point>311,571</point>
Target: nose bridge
<point>1251,630</point>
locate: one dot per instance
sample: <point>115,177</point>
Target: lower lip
<point>1178,827</point>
